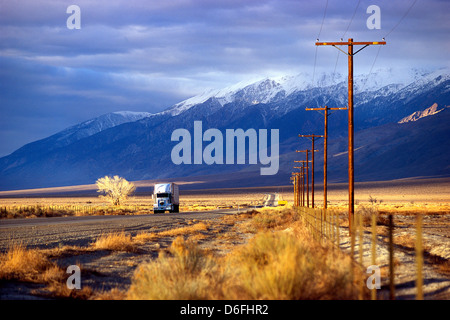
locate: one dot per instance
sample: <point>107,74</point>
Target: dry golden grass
<point>113,294</point>
<point>197,207</point>
<point>24,264</point>
<point>289,266</point>
<point>408,241</point>
<point>115,242</point>
<point>414,208</point>
<point>366,212</point>
<point>185,272</point>
<point>194,230</point>
<point>26,209</point>
<point>143,237</point>
<point>32,265</point>
<point>198,227</point>
<point>59,289</point>
<point>64,251</point>
<point>444,267</point>
<point>282,261</point>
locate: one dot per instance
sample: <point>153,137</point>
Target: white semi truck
<point>166,197</point>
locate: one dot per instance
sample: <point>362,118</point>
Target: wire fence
<point>330,225</point>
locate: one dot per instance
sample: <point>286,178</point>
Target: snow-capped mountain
<point>138,145</point>
<point>103,122</point>
<point>275,89</point>
<point>78,132</point>
<point>262,91</point>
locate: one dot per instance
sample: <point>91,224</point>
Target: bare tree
<point>116,189</point>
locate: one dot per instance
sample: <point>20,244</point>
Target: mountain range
<point>401,131</point>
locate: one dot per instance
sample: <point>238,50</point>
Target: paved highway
<point>83,230</point>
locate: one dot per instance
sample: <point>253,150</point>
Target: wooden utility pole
<point>351,174</point>
<point>298,188</point>
<point>303,186</point>
<point>325,151</point>
<point>302,175</point>
<point>313,137</point>
<point>296,176</point>
<point>295,179</point>
<point>307,173</point>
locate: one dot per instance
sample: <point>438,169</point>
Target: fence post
<point>314,213</point>
<point>323,226</point>
<point>374,251</point>
<point>351,229</point>
<point>338,230</point>
<point>360,253</point>
<point>419,257</point>
<point>361,237</point>
<point>322,230</point>
<point>330,225</point>
<point>391,259</point>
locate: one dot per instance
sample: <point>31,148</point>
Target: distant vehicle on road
<point>273,200</point>
<point>166,197</point>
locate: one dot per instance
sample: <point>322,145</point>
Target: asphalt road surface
<point>81,231</point>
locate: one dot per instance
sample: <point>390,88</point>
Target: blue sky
<point>148,55</point>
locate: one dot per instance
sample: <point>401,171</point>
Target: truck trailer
<point>166,197</point>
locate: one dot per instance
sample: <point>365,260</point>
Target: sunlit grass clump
<point>185,272</point>
<point>276,264</point>
<point>115,242</point>
<point>284,266</point>
<point>20,263</point>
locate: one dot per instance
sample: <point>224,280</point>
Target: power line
<point>404,16</point>
<point>371,68</point>
<point>323,19</point>
<point>351,20</point>
<point>318,36</point>
<point>314,69</point>
<point>346,30</point>
<point>379,48</point>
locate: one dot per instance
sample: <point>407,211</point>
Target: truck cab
<point>166,198</point>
